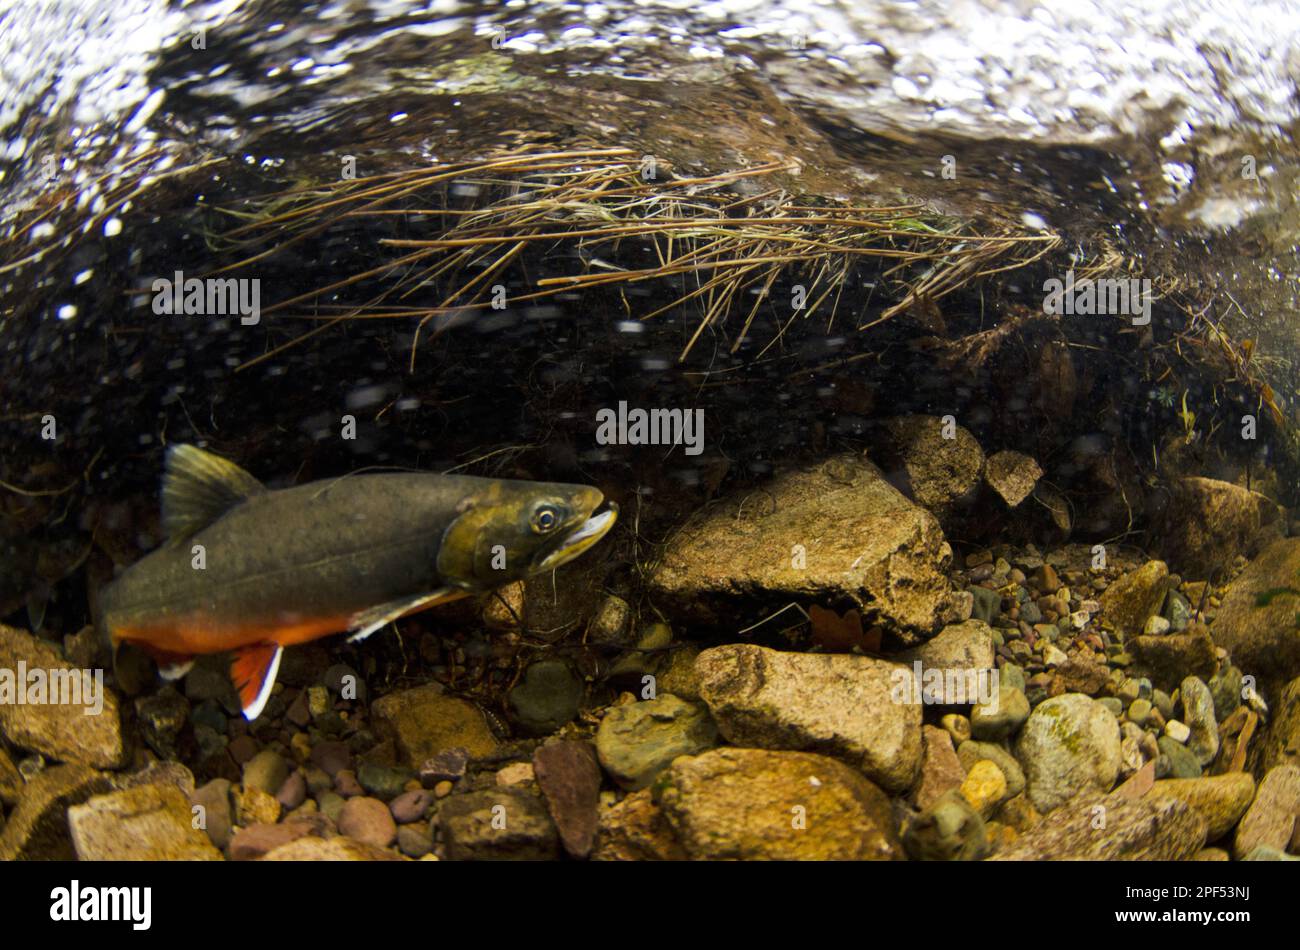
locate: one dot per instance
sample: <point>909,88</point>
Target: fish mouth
<point>586,534</point>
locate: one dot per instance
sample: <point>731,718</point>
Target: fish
<point>250,570</point>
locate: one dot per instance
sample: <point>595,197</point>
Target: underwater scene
<point>640,430</point>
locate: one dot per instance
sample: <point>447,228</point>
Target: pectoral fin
<point>253,673</point>
<point>366,622</point>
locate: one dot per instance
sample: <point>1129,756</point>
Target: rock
<point>215,817</point>
<point>949,830</point>
<point>754,804</point>
<point>1220,799</point>
<point>414,841</point>
<point>1177,611</point>
<point>957,726</point>
<point>940,473</point>
<point>549,696</point>
<point>1264,640</point>
<point>1155,626</point>
<point>1178,731</point>
<point>504,608</point>
<point>1018,813</point>
<point>1282,744</point>
<point>1225,687</point>
<point>145,823</point>
<point>410,807</point>
<point>266,771</point>
<point>986,604</point>
<point>37,828</point>
<point>1069,744</point>
<point>1198,713</point>
<point>637,741</point>
<point>1210,523</point>
<point>971,752</point>
<point>1129,601</point>
<point>255,841</point>
<point>1083,676</point>
<point>11,780</point>
<point>679,676</point>
<point>858,539</point>
<point>958,648</point>
<point>1271,818</point>
<point>292,792</point>
<point>569,777</point>
<point>1133,830</point>
<point>611,624</point>
<point>985,787</point>
<point>160,719</point>
<point>941,770</point>
<point>1012,475</point>
<point>254,806</point>
<point>1266,852</point>
<point>503,823</point>
<point>72,730</point>
<point>1211,854</point>
<point>1171,658</point>
<point>841,705</point>
<point>1182,763</point>
<point>447,766</point>
<point>516,773</point>
<point>160,773</point>
<point>331,757</point>
<point>367,820</point>
<point>384,782</point>
<point>635,829</point>
<point>1001,718</point>
<point>424,722</point>
<point>331,849</point>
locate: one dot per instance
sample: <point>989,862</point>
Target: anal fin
<point>366,622</point>
<point>171,666</point>
<point>253,673</point>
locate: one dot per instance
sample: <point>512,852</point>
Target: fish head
<point>512,529</point>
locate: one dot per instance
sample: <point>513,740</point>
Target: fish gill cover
<point>894,332</point>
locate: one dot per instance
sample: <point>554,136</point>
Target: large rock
<point>37,829</point>
<point>751,804</point>
<point>1264,639</point>
<point>958,648</point>
<point>424,722</point>
<point>70,730</point>
<point>1112,828</point>
<point>1282,745</point>
<point>939,473</point>
<point>498,824</point>
<point>837,533</point>
<point>11,780</point>
<point>1012,475</point>
<point>1069,744</point>
<point>636,830</point>
<point>1220,799</point>
<point>841,705</point>
<point>1128,603</point>
<point>1272,816</point>
<point>569,777</point>
<point>637,741</point>
<point>145,823</point>
<point>1209,523</point>
<point>1170,658</point>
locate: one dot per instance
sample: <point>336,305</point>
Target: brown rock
<point>1133,830</point>
<point>941,770</point>
<point>569,776</point>
<point>68,730</point>
<point>1264,639</point>
<point>214,799</point>
<point>1012,475</point>
<point>1171,658</point>
<point>1128,603</point>
<point>1282,746</point>
<point>636,830</point>
<point>424,722</point>
<point>938,472</point>
<point>1220,799</point>
<point>37,829</point>
<point>1210,523</point>
<point>756,804</point>
<point>11,780</point>
<point>1271,818</point>
<point>368,820</point>
<point>1083,676</point>
<point>255,841</point>
<point>859,540</point>
<point>256,807</point>
<point>145,823</point>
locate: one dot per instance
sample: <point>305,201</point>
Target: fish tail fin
<point>253,673</point>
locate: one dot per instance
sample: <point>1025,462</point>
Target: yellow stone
<point>984,787</point>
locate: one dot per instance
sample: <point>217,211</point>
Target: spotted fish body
<point>252,571</point>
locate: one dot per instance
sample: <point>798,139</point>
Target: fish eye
<point>545,519</point>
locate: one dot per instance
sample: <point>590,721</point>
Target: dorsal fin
<point>199,487</point>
